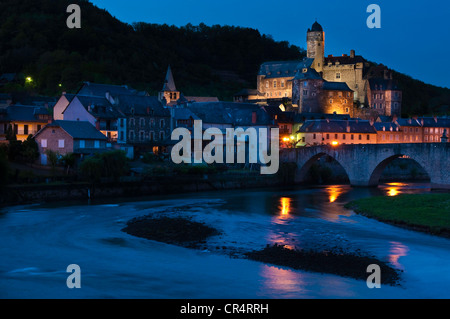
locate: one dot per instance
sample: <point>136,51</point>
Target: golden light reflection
<point>396,251</point>
<point>333,193</point>
<point>394,189</point>
<point>287,282</point>
<point>285,203</point>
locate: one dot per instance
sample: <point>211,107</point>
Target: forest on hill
<point>206,60</point>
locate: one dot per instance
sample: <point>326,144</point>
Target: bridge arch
<point>379,168</point>
<point>304,167</point>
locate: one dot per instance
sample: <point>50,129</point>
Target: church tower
<point>315,41</point>
<point>169,92</point>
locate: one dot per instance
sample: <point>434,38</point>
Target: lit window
<point>61,143</point>
<point>43,143</point>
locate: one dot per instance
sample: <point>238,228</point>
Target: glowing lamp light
<point>29,79</point>
<point>335,143</point>
<point>292,137</point>
<point>285,139</point>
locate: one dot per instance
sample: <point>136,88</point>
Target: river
<point>38,242</point>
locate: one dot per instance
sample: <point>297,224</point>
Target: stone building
<point>145,123</point>
<point>279,80</point>
<point>63,137</point>
<point>312,94</point>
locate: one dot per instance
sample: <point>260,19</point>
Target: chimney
<point>352,53</point>
<point>371,121</point>
<point>435,118</point>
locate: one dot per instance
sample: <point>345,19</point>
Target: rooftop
<point>337,126</point>
<point>78,129</point>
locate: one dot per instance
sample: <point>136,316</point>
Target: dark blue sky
<point>414,37</point>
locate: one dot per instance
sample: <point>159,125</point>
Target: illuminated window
<point>61,143</point>
<point>43,143</point>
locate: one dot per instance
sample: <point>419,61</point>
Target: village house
<point>412,130</point>
<point>336,132</point>
<point>144,123</point>
<point>96,110</point>
<point>23,120</point>
<point>223,116</point>
<point>433,128</point>
<point>388,132</point>
<point>63,137</point>
<point>384,96</point>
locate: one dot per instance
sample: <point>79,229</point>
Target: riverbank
<point>132,187</point>
<point>428,213</point>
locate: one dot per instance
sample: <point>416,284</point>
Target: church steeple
<point>169,94</point>
<point>169,83</point>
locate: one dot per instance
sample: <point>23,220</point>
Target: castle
<point>346,84</point>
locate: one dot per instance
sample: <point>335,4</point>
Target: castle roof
<point>336,86</point>
<point>344,59</point>
<point>378,84</point>
<point>316,27</point>
<point>278,69</point>
<point>310,74</point>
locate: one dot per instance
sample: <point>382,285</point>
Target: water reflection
<point>396,251</point>
<point>334,192</point>
<point>395,189</point>
<point>282,281</point>
<point>285,207</point>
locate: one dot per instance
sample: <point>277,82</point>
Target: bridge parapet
<point>364,163</point>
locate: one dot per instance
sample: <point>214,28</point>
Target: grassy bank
<point>423,212</point>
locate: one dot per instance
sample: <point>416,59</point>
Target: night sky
<point>414,37</point>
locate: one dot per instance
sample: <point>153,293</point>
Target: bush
<point>112,164</point>
<point>4,167</point>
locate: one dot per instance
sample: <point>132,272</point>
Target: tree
<point>92,168</point>
<point>30,150</point>
<point>52,158</point>
<point>4,167</point>
<point>68,161</point>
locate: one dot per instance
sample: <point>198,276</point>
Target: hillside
<point>206,60</point>
<point>217,60</point>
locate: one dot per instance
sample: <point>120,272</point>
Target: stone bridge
<point>364,163</point>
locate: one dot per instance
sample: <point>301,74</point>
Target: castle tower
<point>169,91</point>
<point>315,41</point>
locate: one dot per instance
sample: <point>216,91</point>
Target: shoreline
<point>398,204</point>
